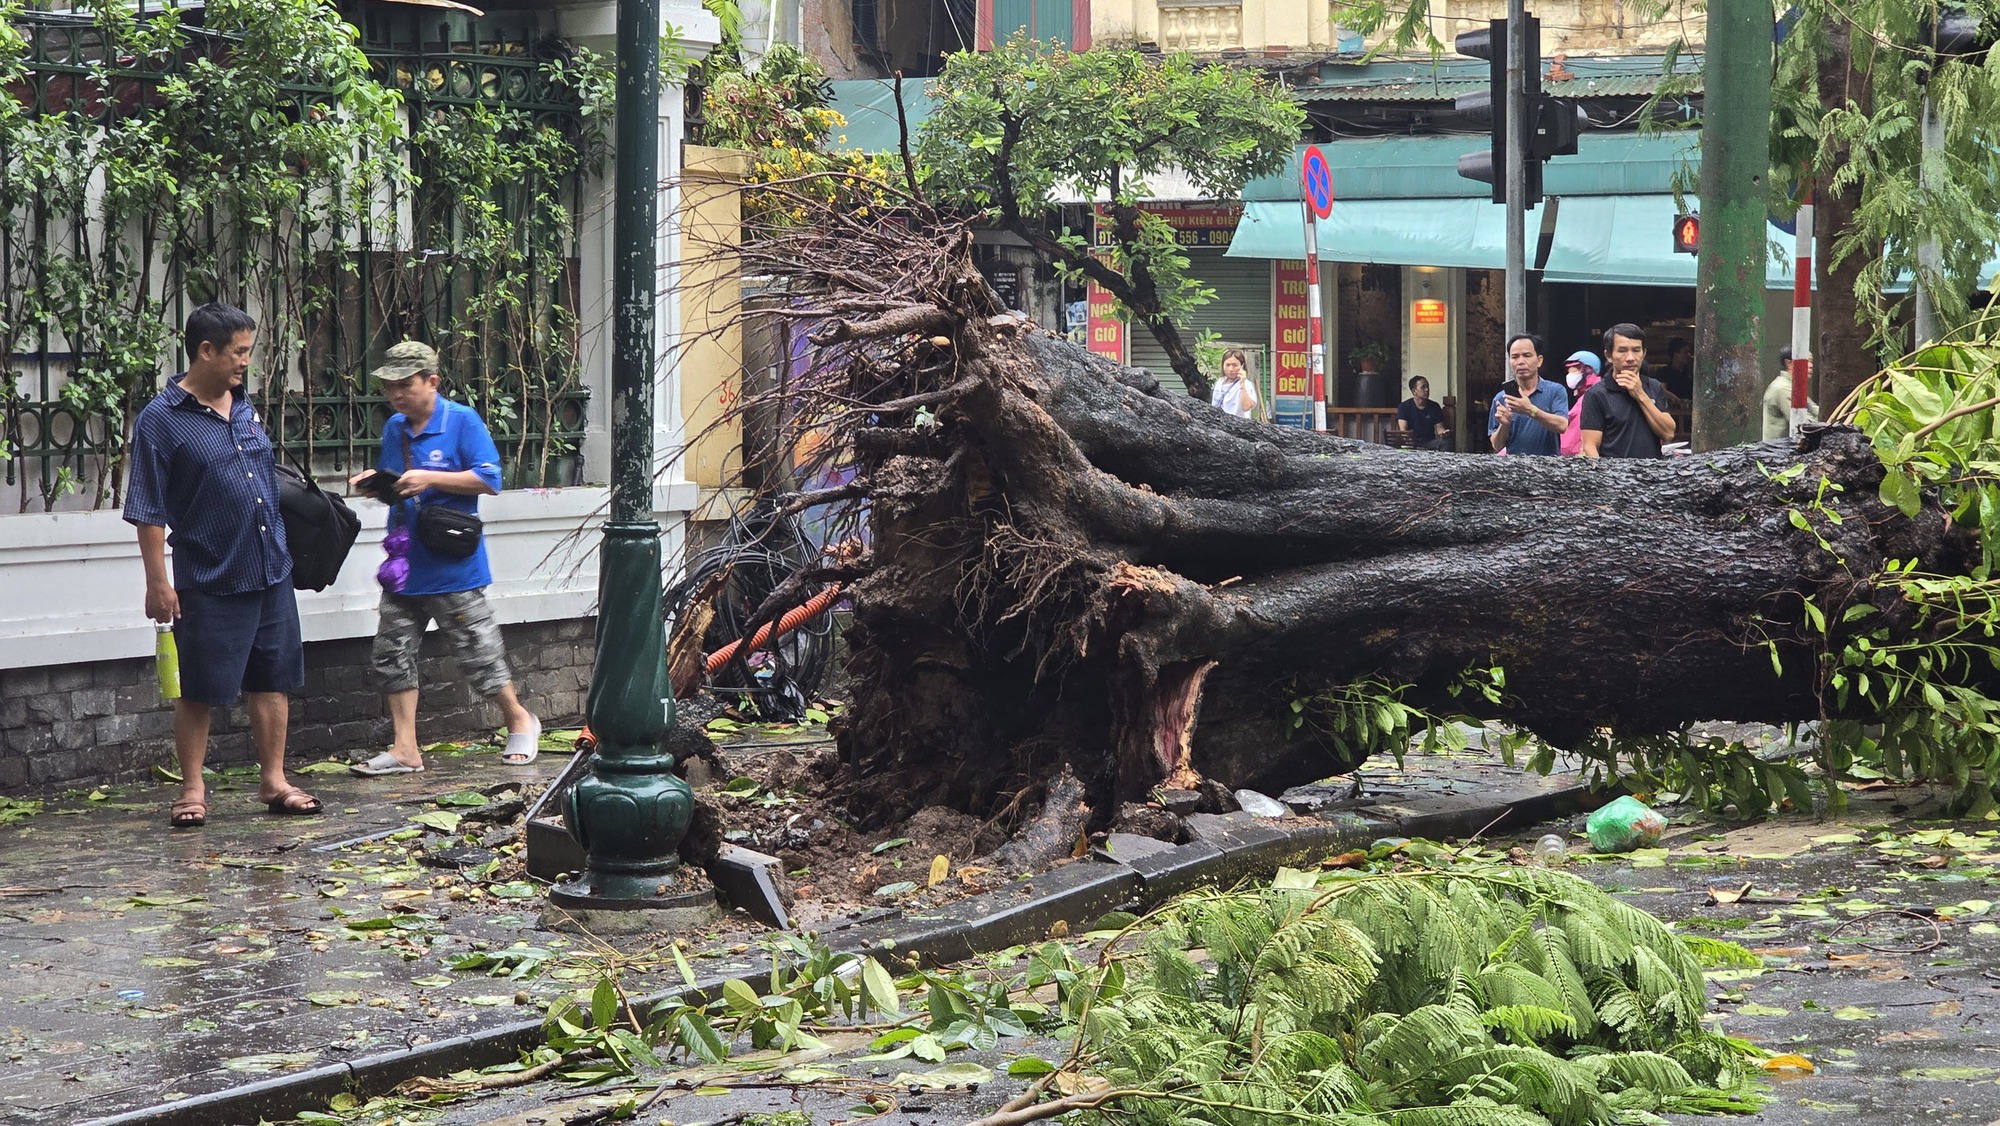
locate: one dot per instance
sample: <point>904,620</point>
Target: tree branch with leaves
<point>1018,128</point>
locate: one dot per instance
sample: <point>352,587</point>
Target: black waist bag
<point>319,529</point>
<point>447,531</point>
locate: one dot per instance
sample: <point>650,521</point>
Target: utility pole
<point>630,811</point>
<point>1930,257</point>
<point>1518,132</point>
<point>1730,271</point>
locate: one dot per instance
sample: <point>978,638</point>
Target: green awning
<point>1463,233</point>
<point>869,105</point>
<point>1629,240</point>
<point>1599,240</point>
<point>1427,167</point>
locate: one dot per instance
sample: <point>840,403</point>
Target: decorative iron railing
<point>469,243</point>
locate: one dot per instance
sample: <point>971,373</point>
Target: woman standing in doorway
<point>1234,392</point>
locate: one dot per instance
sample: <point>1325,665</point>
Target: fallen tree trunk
<point>1070,566</point>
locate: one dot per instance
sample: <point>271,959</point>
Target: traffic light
<point>1687,234</point>
<point>1954,34</point>
<point>1553,123</point>
<point>1491,45</point>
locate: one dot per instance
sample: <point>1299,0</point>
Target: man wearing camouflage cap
<point>441,454</point>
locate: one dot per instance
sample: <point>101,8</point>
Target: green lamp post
<point>630,811</point>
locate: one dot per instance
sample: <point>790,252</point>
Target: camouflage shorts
<point>465,619</point>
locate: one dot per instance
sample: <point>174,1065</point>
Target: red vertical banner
<point>1107,329</point>
<point>1291,403</point>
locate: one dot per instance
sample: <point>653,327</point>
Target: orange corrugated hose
<point>793,619</point>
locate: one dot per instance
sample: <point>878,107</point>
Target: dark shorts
<point>235,643</point>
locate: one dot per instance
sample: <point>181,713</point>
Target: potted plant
<point>1367,358</point>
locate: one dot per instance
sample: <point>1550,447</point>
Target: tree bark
<point>1069,566</point>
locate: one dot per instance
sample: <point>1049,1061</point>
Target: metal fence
<point>504,320</point>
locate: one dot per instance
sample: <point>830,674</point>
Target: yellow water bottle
<point>167,661</point>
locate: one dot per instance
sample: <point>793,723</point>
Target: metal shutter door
<point>1240,312</point>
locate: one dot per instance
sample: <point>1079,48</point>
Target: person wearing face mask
<point>1580,374</point>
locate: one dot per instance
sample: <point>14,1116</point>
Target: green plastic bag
<point>1624,825</point>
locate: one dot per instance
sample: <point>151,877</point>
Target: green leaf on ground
<point>434,981</point>
<point>329,766</point>
<point>443,821</point>
<point>1855,1012</point>
<point>169,962</point>
<point>168,900</point>
<point>890,891</point>
<point>328,998</point>
<point>471,798</point>
<point>517,889</point>
<point>885,846</point>
<point>1029,1067</point>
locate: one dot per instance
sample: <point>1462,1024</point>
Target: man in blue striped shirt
<point>202,465</point>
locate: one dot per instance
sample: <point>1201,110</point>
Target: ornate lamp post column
<point>630,811</point>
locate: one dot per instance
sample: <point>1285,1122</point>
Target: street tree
<point>1848,108</point>
<point>1015,127</point>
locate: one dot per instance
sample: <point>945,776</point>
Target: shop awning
<point>1427,167</point>
<point>1628,240</point>
<point>1463,233</point>
<point>1599,240</point>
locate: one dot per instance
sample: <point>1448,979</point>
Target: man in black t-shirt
<point>1625,415</point>
<point>1423,418</point>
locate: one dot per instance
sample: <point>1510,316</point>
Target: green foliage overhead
<point>1018,126</point>
<point>1872,142</point>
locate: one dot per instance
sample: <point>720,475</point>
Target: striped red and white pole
<point>1315,342</point>
<point>1802,283</point>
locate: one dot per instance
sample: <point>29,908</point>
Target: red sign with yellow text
<point>1107,330</point>
<point>1291,363</point>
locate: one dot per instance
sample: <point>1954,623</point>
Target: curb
<point>1226,850</point>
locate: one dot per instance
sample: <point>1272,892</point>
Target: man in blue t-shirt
<point>1529,418</point>
<point>440,454</point>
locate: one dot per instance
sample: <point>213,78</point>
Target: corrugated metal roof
<point>1444,90</point>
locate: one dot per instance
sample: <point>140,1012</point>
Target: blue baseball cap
<point>1587,359</point>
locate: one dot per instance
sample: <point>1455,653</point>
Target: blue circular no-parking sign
<point>1319,182</point>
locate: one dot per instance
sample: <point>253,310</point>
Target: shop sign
<point>1427,311</point>
<point>1211,225</point>
<point>1290,323</point>
<point>1106,329</point>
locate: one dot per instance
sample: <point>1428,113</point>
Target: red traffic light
<point>1687,234</point>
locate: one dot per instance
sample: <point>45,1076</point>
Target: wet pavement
<point>144,965</point>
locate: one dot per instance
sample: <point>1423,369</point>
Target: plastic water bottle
<point>1550,851</point>
<point>167,661</point>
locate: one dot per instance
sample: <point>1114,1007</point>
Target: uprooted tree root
<point>1067,565</point>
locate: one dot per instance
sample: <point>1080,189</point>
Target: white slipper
<point>523,746</point>
<point>384,763</point>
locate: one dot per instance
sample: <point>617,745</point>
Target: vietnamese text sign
<point>1290,318</point>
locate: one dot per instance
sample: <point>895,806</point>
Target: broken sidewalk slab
<point>750,880</point>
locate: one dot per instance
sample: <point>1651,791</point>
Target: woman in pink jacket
<point>1580,373</point>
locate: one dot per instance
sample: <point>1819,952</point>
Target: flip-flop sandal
<point>384,763</point>
<point>523,746</point>
<point>282,804</point>
<point>188,813</point>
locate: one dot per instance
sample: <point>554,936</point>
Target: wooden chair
<point>1400,439</point>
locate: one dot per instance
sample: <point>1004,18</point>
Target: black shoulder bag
<point>446,531</point>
